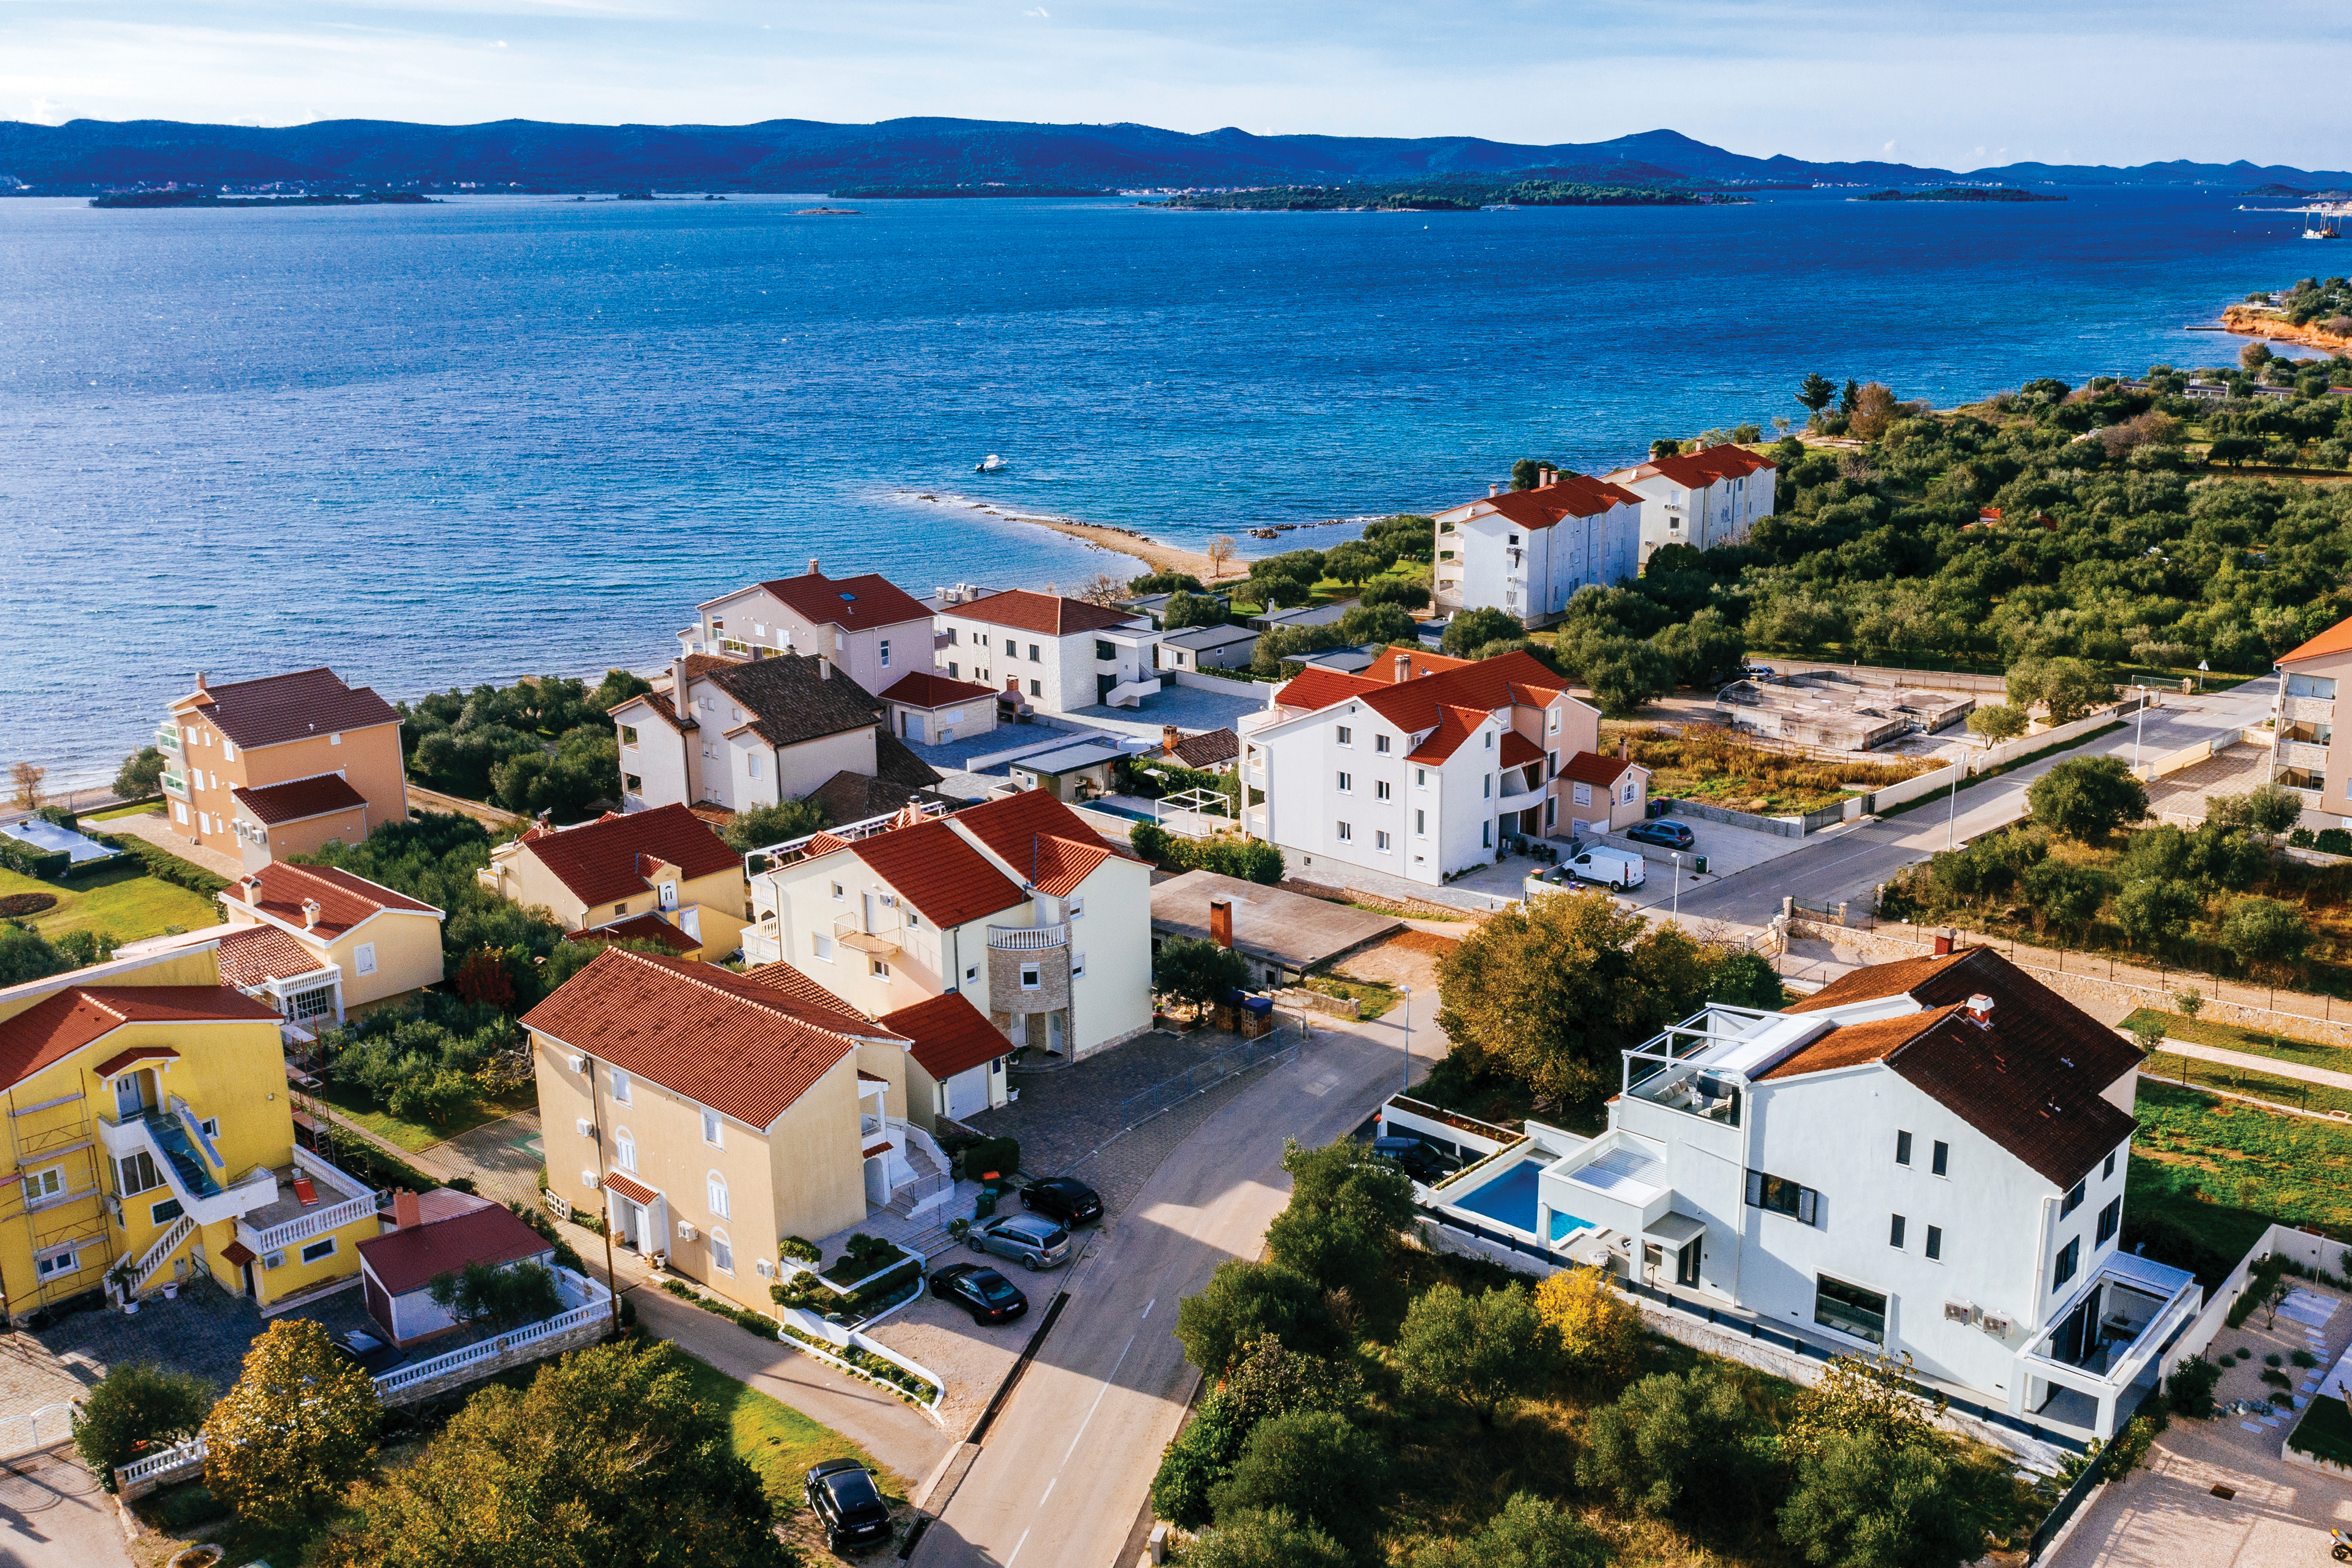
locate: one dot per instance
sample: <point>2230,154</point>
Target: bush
<point>297,1429</point>
<point>25,954</point>
<point>136,1406</point>
<point>1482,1350</point>
<point>1530,1532</point>
<point>1470,630</point>
<point>800,1247</point>
<point>26,904</point>
<point>1398,592</point>
<point>2333,841</point>
<point>1862,1499</point>
<point>1267,1538</point>
<point>1244,1302</point>
<point>1331,1471</point>
<point>43,865</point>
<point>2188,1389</point>
<point>168,867</point>
<point>2088,798</point>
<point>184,1508</point>
<point>1598,1331</point>
<point>1673,1444</point>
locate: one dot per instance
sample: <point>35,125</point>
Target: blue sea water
<point>431,445</point>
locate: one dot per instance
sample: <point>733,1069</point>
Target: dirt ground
<point>1407,958</point>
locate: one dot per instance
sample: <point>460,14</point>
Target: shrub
<point>1671,1444</point>
<point>801,1249</point>
<point>1193,1465</point>
<point>2087,798</point>
<point>1267,1538</point>
<point>1530,1532</point>
<point>26,904</point>
<point>503,1297</point>
<point>1598,1331</point>
<point>133,1406</point>
<point>1470,630</point>
<point>1244,1302</point>
<point>27,861</point>
<point>1331,1471</point>
<point>1484,1350</point>
<point>2188,1391</point>
<point>297,1429</point>
<point>2302,1358</point>
<point>2333,841</point>
<point>2277,1379</point>
<point>25,954</point>
<point>168,867</point>
<point>1862,1499</point>
<point>184,1508</point>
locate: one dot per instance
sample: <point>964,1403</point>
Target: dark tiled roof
<point>1041,613</point>
<point>297,799</point>
<point>1210,749</point>
<point>611,859</point>
<point>896,763</point>
<point>790,697</point>
<point>53,1029</point>
<point>854,797</point>
<point>280,707</point>
<point>923,689</point>
<point>719,1038</point>
<point>2035,1082</point>
<point>852,604</point>
<point>279,889</point>
<point>409,1260</point>
<point>950,1034</point>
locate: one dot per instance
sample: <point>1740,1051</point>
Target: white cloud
<point>1041,13</point>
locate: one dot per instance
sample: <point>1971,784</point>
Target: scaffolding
<point>1196,813</point>
<point>55,1136</point>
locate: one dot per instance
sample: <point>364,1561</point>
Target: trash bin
<point>1699,865</point>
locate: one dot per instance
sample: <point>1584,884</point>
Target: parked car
<point>1034,1242</point>
<point>1610,868</point>
<point>372,1354</point>
<point>842,1495</point>
<point>1063,1197</point>
<point>1667,834</point>
<point>981,1291</point>
<point>1421,1163</point>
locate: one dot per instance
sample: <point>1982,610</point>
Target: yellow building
<point>660,875</point>
<point>148,1125</point>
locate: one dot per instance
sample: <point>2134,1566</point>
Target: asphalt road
<point>1848,864</point>
<point>1068,1464</point>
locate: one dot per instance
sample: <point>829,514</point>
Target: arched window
<point>719,1196</point>
<point>625,1149</point>
<point>722,1252</point>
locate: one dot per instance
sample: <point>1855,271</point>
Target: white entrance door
<point>126,1102</point>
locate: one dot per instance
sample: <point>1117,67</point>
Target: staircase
<point>186,1164</point>
<point>930,1182</point>
<point>159,1255</point>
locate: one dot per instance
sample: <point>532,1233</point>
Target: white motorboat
<point>990,463</point>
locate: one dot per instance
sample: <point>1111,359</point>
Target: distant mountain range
<point>86,156</point>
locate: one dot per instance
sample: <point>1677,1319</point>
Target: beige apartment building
<point>264,769</point>
<point>867,627</point>
<point>661,875</point>
<point>2307,758</point>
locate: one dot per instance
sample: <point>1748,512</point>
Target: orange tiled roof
<point>1041,613</point>
<point>1040,838</point>
<point>254,954</point>
<point>607,860</point>
<point>1595,768</point>
<point>853,604</point>
<point>937,871</point>
<point>53,1029</point>
<point>344,901</point>
<point>1573,495</point>
<point>2335,639</point>
<point>950,1034</point>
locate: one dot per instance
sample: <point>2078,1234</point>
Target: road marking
<point>1048,1492</point>
<point>1016,1548</point>
<point>1092,1408</point>
<point>1147,1306</point>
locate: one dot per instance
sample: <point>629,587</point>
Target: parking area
<point>971,1358</point>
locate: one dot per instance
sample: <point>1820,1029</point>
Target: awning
<point>629,1187</point>
<point>1674,1229</point>
<point>237,1254</point>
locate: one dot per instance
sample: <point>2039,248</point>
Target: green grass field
<point>2253,1042</point>
<point>1372,997</point>
<point>778,1441</point>
<point>2225,1169</point>
<point>2326,1431</point>
<point>119,812</point>
<point>2175,1069</point>
<point>355,1106</point>
<point>122,900</point>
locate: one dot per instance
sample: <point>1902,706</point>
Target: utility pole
<point>596,1110</point>
<point>2141,728</point>
<point>1679,886</point>
<point>1407,993</point>
<point>1952,817</point>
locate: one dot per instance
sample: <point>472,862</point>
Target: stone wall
<point>587,1334</point>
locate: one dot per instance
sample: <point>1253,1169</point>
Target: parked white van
<point>1610,868</point>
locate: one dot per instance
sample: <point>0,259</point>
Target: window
<point>2320,686</point>
<point>1629,794</point>
<point>1486,782</point>
<point>1347,783</point>
<point>1581,793</point>
<point>364,958</point>
<point>821,947</point>
<point>2073,1200</point>
<point>2069,1257</point>
<point>211,1124</point>
<point>1379,841</point>
<point>953,634</point>
<point>879,970</point>
<point>620,1086</point>
<point>1077,907</point>
<point>713,1133</point>
<point>952,673</point>
<point>55,1264</point>
<point>717,1192</point>
<point>751,764</point>
<point>1850,1308</point>
<point>1420,823</point>
<point>836,892</point>
<point>1380,789</point>
<point>322,1247</point>
<point>1032,977</point>
<point>1895,1232</point>
<point>1077,966</point>
<point>1942,1160</point>
<point>625,1149</point>
<point>2109,1169</point>
<point>621,907</point>
<point>972,974</point>
<point>722,1252</point>
<point>1902,1148</point>
<point>1782,1195</point>
<point>1347,735</point>
<point>2111,1219</point>
<point>43,1186</point>
<point>1486,836</point>
<point>1103,649</point>
<point>1421,775</point>
<point>886,653</point>
<point>1347,832</point>
<point>228,751</point>
<point>1935,1244</point>
<point>628,734</point>
<point>1490,739</point>
<point>632,783</point>
<point>1033,656</point>
<point>137,1173</point>
<point>1381,744</point>
<point>1551,765</point>
<point>1037,688</point>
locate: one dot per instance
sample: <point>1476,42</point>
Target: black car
<point>1421,1163</point>
<point>1671,835</point>
<point>372,1354</point>
<point>1067,1200</point>
<point>981,1291</point>
<point>842,1495</point>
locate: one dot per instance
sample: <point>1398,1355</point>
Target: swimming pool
<point>1511,1198</point>
<point>48,836</point>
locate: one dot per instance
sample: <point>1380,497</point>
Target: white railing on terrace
<point>162,1463</point>
<point>303,1226</point>
<point>594,1299</point>
<point>759,862</point>
<point>1028,939</point>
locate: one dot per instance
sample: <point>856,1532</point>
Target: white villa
<point>1924,1157</point>
<point>1525,552</point>
<point>869,629</point>
<point>1046,654</point>
<point>1707,499</point>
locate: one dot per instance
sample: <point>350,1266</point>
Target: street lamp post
<point>2141,728</point>
<point>1679,886</point>
<point>1407,991</point>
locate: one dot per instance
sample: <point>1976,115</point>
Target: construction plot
<point>1837,711</point>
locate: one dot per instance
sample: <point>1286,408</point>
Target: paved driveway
<point>52,1515</point>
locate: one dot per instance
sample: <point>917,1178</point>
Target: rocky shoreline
<point>2248,321</point>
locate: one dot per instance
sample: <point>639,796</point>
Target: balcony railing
<point>2307,754</point>
<point>850,932</point>
<point>2309,710</point>
<point>1028,939</point>
<point>168,738</point>
<point>174,785</point>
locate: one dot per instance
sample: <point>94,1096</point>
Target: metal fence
<point>2094,1474</point>
<point>1276,1046</point>
<point>35,1430</point>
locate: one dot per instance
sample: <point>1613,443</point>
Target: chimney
<point>1624,751</point>
<point>1943,943</point>
<point>678,692</point>
<point>406,1213</point>
<point>1220,921</point>
<point>813,571</point>
<point>824,668</point>
<point>1981,1009</point>
<point>1494,489</point>
<point>1403,667</point>
<point>311,913</point>
<point>1167,739</point>
<point>200,680</point>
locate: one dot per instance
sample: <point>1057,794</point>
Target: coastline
<point>2244,320</point>
<point>1126,541</point>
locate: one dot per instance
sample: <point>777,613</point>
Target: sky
<point>1939,84</point>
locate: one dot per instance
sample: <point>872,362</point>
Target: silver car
<point>1032,1240</point>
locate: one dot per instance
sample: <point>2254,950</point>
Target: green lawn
<point>355,1106</point>
<point>2225,1169</point>
<point>2326,1431</point>
<point>2253,1042</point>
<point>2173,1068</point>
<point>150,809</point>
<point>121,900</point>
<point>1372,997</point>
<point>780,1442</point>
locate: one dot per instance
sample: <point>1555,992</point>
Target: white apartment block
<point>1052,655</point>
<point>2306,755</point>
<point>1925,1157</point>
<point>871,630</point>
<point>744,734</point>
<point>1422,765</point>
<point>1525,552</point>
<point>1710,498</point>
<point>1016,903</point>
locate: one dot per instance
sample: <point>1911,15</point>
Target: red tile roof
<point>1454,727</point>
<point>1419,662</point>
<point>1318,686</point>
<point>294,706</point>
<point>1041,612</point>
<point>919,690</point>
<point>631,1188</point>
<point>115,1064</point>
<point>1594,768</point>
<point>805,996</point>
<point>714,1036</point>
<point>53,1029</point>
<point>1574,495</point>
<point>2035,1082</point>
<point>950,1034</point>
<point>297,799</point>
<point>411,1257</point>
<point>254,954</point>
<point>1040,838</point>
<point>2335,639</point>
<point>1700,469</point>
<point>607,860</point>
<point>937,871</point>
<point>344,901</point>
<point>853,604</point>
<point>1518,750</point>
<point>639,928</point>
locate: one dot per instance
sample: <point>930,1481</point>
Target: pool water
<point>48,836</point>
<point>1511,1198</point>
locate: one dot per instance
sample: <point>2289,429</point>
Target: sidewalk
<point>2246,1061</point>
<point>156,829</point>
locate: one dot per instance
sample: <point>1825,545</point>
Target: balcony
<point>174,785</point>
<point>2123,1320</point>
<point>167,739</point>
<point>1028,939</point>
<point>851,931</point>
<point>2307,710</point>
<point>341,1199</point>
<point>2303,755</point>
<point>190,1165</point>
<point>763,943</point>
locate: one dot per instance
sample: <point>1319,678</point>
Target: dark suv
<point>1068,1200</point>
<point>1421,1163</point>
<point>1668,835</point>
<point>842,1495</point>
<point>981,1291</point>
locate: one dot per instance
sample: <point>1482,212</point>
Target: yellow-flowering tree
<point>1598,1329</point>
<point>297,1428</point>
<point>1873,1394</point>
